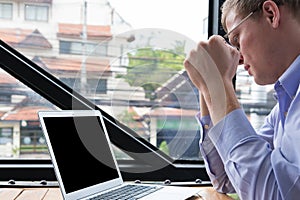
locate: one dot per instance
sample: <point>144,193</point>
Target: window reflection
<point>20,133</point>
<point>257,101</point>
<point>135,76</point>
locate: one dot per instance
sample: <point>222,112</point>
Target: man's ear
<point>271,13</point>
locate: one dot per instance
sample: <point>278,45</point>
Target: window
<point>32,139</point>
<point>134,75</point>
<point>6,135</point>
<point>205,25</point>
<point>20,133</point>
<point>78,48</point>
<point>95,85</point>
<point>6,141</point>
<point>6,10</point>
<point>36,12</point>
<point>257,101</point>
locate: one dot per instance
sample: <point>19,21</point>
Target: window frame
<point>64,97</point>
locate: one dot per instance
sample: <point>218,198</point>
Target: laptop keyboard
<point>127,192</point>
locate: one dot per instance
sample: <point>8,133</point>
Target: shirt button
<point>206,126</point>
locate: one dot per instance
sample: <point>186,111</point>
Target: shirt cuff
<point>205,125</point>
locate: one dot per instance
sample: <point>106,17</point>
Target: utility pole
<point>83,78</point>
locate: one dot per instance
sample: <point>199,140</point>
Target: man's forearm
<point>203,107</point>
<point>220,100</point>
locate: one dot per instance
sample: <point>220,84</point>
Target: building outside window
<point>117,68</point>
<point>128,74</point>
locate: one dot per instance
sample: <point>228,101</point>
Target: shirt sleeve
<point>213,163</point>
<point>255,169</point>
<point>267,129</point>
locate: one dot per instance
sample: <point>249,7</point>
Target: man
<point>265,37</point>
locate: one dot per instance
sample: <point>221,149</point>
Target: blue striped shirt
<point>258,165</point>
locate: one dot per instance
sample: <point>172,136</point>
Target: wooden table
<point>207,193</point>
<point>30,194</point>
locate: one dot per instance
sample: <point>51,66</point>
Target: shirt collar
<point>290,79</point>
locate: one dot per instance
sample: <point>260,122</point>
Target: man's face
<point>254,39</point>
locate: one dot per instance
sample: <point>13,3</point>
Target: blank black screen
<point>81,150</point>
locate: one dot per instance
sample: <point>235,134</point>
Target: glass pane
<point>125,56</point>
<point>36,13</point>
<point>257,101</point>
<point>20,133</point>
<point>5,10</point>
<point>6,136</point>
<point>41,13</point>
<point>30,12</point>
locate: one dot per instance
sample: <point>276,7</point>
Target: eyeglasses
<point>243,20</point>
<point>278,3</point>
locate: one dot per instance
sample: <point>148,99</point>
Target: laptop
<point>84,162</point>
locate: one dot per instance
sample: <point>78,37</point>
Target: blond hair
<point>244,7</point>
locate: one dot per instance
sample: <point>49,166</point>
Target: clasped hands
<point>211,67</point>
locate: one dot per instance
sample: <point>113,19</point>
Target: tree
<point>149,68</point>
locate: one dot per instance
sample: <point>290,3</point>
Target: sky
<point>182,16</point>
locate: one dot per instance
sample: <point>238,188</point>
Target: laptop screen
<point>81,151</point>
